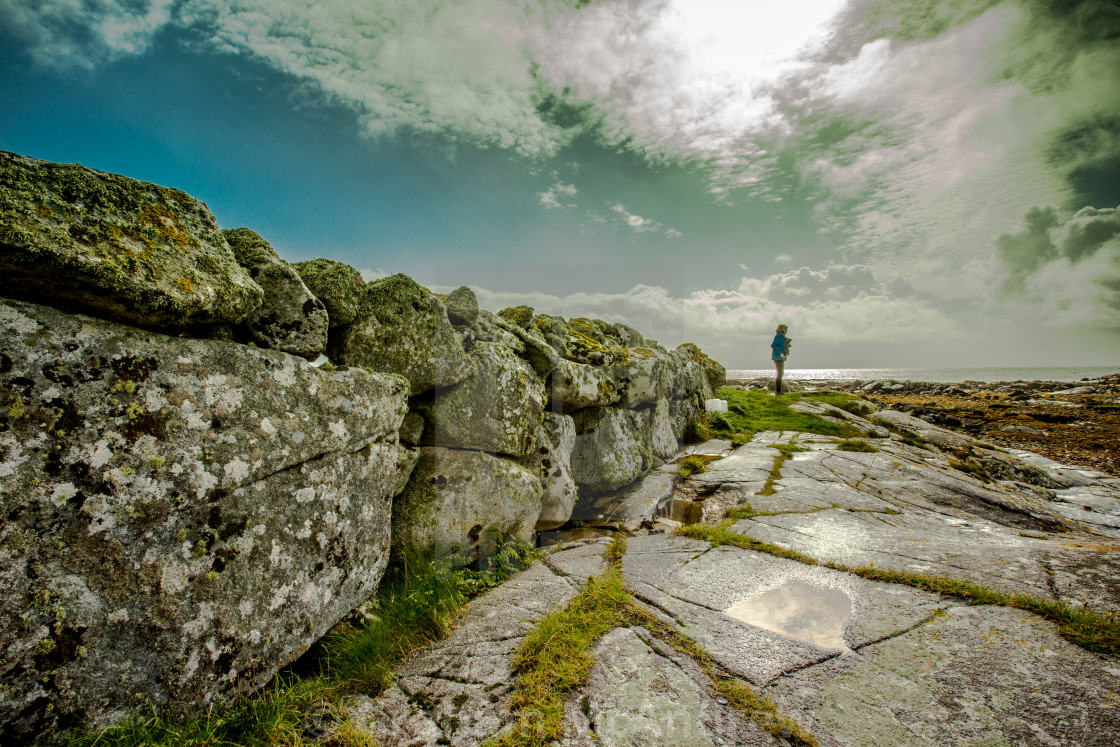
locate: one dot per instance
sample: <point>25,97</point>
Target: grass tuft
<point>855,445</point>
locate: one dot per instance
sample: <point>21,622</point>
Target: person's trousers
<point>781,366</point>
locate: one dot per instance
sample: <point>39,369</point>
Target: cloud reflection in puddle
<point>800,610</point>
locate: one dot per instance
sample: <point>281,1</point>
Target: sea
<point>1050,373</point>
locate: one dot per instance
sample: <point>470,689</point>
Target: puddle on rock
<point>682,510</point>
<point>798,609</point>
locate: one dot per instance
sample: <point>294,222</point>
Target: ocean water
<point>1054,373</point>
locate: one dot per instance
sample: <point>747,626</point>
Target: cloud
<point>370,274</point>
<point>65,33</point>
<point>551,199</point>
<point>1067,270</point>
<point>834,307</point>
<point>642,225</point>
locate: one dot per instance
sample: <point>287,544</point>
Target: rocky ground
<point>852,661</point>
<point>1074,423</point>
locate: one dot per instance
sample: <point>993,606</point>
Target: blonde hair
<point>782,329</point>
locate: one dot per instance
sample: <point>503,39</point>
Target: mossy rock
<point>520,316</point>
<point>339,286</point>
<point>462,306</point>
<point>716,373</point>
<point>289,318</point>
<point>116,248</point>
<point>402,328</point>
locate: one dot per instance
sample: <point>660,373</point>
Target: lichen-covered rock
<point>612,447</point>
<point>182,516</point>
<point>412,429</point>
<point>578,385</point>
<point>462,306</point>
<point>688,379</point>
<point>339,286</point>
<point>497,409</point>
<point>560,491</point>
<point>555,332</point>
<point>402,328</point>
<point>663,439</point>
<point>645,377</point>
<point>595,342</point>
<point>289,318</point>
<point>519,316</point>
<point>115,247</point>
<point>715,372</point>
<point>454,497</point>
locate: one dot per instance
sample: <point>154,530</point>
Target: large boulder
<point>182,516</point>
<point>289,318</point>
<point>497,409</point>
<point>713,371</point>
<point>560,491</point>
<point>645,377</point>
<point>339,286</point>
<point>596,342</point>
<point>402,328</point>
<point>462,306</point>
<point>455,497</point>
<point>554,330</point>
<point>574,386</point>
<point>116,248</point>
<point>612,448</point>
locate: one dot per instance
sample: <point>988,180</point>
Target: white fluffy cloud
<point>85,33</point>
<point>551,199</point>
<point>837,306</point>
<point>642,225</point>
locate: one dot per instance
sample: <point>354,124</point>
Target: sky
<point>916,183</point>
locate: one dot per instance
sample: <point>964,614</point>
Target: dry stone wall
<point>189,503</point>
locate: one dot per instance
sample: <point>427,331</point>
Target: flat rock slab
<point>973,675</point>
<point>456,692</point>
<point>642,693</point>
<point>805,605</point>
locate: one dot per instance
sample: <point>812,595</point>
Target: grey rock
<point>574,386</point>
<point>289,318</point>
<point>402,328</point>
<point>497,409</point>
<point>115,248</point>
<point>182,515</point>
<point>339,286</point>
<point>612,448</point>
<point>518,316</point>
<point>462,306</point>
<point>412,429</point>
<point>975,673</point>
<point>454,497</point>
<point>560,490</point>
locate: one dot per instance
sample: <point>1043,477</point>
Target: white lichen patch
<point>236,470</point>
<point>63,492</point>
<point>100,455</point>
<point>173,579</point>
<point>268,428</point>
<point>305,495</point>
<point>117,616</point>
<point>280,597</point>
<point>338,428</point>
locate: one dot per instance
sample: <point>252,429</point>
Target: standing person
<point>779,351</point>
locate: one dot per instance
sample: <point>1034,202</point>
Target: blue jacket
<point>779,346</point>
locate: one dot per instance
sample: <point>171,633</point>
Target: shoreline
<point>1075,423</point>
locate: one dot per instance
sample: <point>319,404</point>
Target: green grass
<point>418,601</point>
<point>1091,630</point>
<point>694,464</point>
<point>855,445</point>
<point>274,717</point>
<point>750,412</point>
<point>846,402</point>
